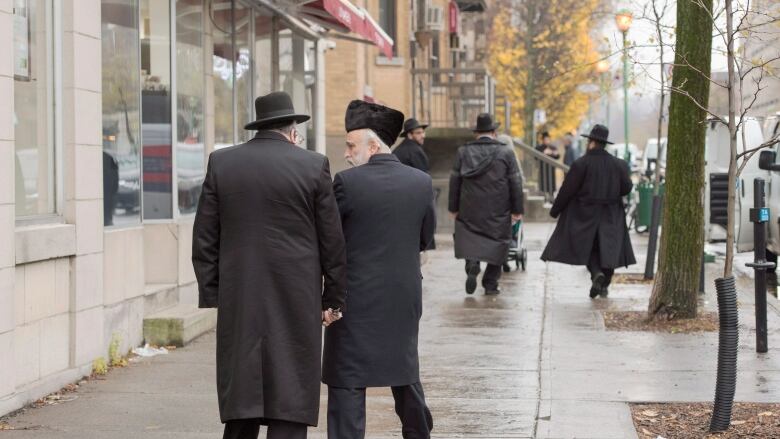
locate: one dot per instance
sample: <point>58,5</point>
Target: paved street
<point>532,362</point>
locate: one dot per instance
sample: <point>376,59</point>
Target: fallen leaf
<point>650,413</point>
<point>766,414</point>
<point>738,422</point>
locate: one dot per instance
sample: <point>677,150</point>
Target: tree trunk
<point>676,286</point>
<point>530,103</point>
<point>732,202</point>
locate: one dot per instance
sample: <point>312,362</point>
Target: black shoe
<point>471,280</point>
<point>604,292</point>
<point>598,285</point>
<point>492,291</point>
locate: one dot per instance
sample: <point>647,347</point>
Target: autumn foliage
<point>541,51</point>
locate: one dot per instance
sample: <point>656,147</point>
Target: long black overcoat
<point>589,206</point>
<point>266,233</point>
<point>388,218</point>
<point>412,154</point>
<point>485,189</point>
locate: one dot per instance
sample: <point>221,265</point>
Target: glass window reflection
<point>121,115</point>
<point>156,109</point>
<point>243,71</point>
<point>221,18</point>
<point>33,104</point>
<point>190,86</point>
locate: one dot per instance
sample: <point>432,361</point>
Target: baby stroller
<point>517,250</point>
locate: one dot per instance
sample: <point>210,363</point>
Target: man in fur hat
<point>388,218</point>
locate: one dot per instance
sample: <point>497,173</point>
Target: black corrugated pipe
<point>728,338</point>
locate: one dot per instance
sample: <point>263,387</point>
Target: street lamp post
<point>623,20</point>
<point>602,67</point>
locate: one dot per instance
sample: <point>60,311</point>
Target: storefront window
<point>33,107</point>
<point>296,76</point>
<point>190,85</point>
<point>221,17</point>
<point>263,52</point>
<point>310,79</point>
<point>243,71</point>
<point>156,109</point>
<point>121,115</point>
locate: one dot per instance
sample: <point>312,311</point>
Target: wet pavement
<point>534,361</point>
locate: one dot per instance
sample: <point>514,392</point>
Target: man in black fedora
<point>268,252</point>
<point>591,227</point>
<point>486,197</point>
<point>388,219</point>
<point>410,152</point>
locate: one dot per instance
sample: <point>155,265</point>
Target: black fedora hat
<point>411,125</point>
<point>599,133</point>
<point>274,108</point>
<point>485,124</point>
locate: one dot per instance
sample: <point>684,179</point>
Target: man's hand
<point>517,217</point>
<point>329,316</point>
<point>454,215</point>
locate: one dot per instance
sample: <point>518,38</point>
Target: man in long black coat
<point>266,233</point>
<point>591,227</point>
<point>486,196</point>
<point>388,217</point>
<point>410,152</point>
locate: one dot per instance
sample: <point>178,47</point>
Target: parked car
<point>619,150</point>
<point>772,126</point>
<point>717,156</point>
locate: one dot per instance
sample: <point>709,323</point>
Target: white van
<point>716,158</point>
<point>619,150</point>
<point>651,154</point>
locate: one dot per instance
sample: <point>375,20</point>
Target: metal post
<point>759,216</point>
<point>652,244</point>
<point>626,154</point>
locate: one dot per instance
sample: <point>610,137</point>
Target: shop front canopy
<point>343,16</point>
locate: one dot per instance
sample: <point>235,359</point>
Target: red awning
<point>343,16</point>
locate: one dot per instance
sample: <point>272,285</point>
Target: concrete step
<point>158,297</point>
<point>536,210</point>
<point>178,325</point>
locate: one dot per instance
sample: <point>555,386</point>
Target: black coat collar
<point>597,151</point>
<point>486,140</point>
<point>410,142</point>
<point>271,135</point>
<point>378,158</point>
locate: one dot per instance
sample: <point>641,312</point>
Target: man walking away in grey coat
<point>486,197</point>
<point>388,218</point>
<point>268,252</point>
<point>591,227</point>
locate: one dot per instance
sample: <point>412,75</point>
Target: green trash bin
<point>645,208</point>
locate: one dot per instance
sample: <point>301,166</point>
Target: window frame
<point>392,29</point>
<point>53,23</point>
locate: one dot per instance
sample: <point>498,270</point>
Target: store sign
<point>21,40</point>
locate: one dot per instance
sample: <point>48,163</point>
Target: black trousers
<point>491,276</point>
<point>347,412</point>
<point>594,263</point>
<point>250,428</point>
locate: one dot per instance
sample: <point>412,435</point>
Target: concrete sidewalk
<point>532,362</point>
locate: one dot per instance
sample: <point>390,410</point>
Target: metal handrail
<point>541,156</point>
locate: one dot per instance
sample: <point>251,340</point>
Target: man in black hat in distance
<point>410,152</point>
<point>268,252</point>
<point>486,197</point>
<point>388,218</point>
<point>591,227</point>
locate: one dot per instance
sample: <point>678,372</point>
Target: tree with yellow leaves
<point>541,51</point>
